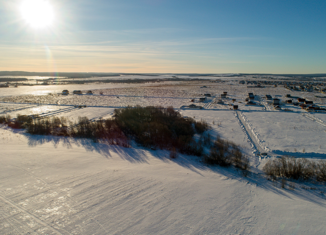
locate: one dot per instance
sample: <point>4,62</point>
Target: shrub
<point>173,153</point>
<point>21,122</point>
<point>225,153</point>
<point>321,171</point>
<point>5,119</point>
<point>161,127</point>
<point>201,126</point>
<point>292,168</point>
<point>217,157</point>
<point>240,161</point>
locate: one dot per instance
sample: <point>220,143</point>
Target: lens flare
<point>37,13</point>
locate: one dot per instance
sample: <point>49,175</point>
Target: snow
<point>288,133</point>
<point>89,112</point>
<point>80,187</point>
<point>54,185</point>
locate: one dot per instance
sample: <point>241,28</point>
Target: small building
<point>235,107</point>
<point>89,92</point>
<point>77,92</point>
<point>289,101</point>
<point>220,102</point>
<point>310,109</point>
<point>207,95</point>
<point>193,106</point>
<point>308,102</point>
<point>301,100</point>
<point>288,95</point>
<point>276,101</point>
<point>202,99</point>
<point>269,97</point>
<point>251,103</point>
<point>223,95</point>
<point>251,96</point>
<point>65,92</point>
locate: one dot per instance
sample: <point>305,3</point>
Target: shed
<point>269,97</point>
<point>289,101</point>
<point>77,92</point>
<point>308,102</point>
<point>65,92</point>
<point>235,107</point>
<point>276,101</point>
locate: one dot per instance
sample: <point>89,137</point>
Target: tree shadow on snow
<point>301,155</point>
<point>130,154</point>
<point>139,154</point>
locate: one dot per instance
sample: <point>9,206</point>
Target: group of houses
<point>303,103</point>
<point>308,86</point>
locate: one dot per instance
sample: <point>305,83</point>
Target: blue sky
<point>165,36</point>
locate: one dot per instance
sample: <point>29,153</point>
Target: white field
<point>52,185</point>
<point>291,134</point>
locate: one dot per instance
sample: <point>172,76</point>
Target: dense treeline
<point>152,127</point>
<point>161,128</point>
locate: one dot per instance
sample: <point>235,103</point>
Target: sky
<point>167,36</point>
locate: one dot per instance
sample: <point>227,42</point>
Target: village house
<point>268,97</point>
<point>276,101</point>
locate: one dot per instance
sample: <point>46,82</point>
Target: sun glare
<point>37,13</point>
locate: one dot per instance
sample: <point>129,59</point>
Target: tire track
<point>52,113</point>
<point>313,118</point>
<point>49,188</point>
<point>7,201</point>
<point>18,109</point>
<point>255,146</point>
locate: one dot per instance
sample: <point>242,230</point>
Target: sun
<point>37,13</point>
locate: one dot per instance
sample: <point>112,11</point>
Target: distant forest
<point>92,74</point>
<point>13,79</point>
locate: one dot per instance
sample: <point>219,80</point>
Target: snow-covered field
<point>52,185</point>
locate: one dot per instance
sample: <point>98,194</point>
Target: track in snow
<point>248,133</point>
<point>19,210</point>
<point>18,109</point>
<point>55,112</point>
<point>208,105</point>
<point>312,118</point>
